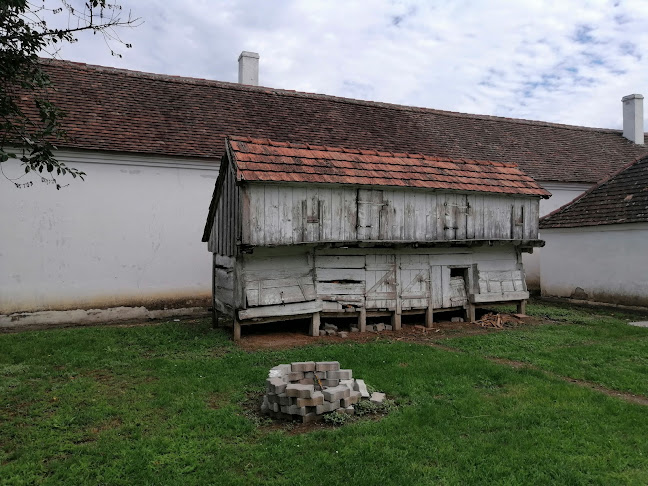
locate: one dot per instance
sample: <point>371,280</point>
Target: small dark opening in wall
<point>458,272</point>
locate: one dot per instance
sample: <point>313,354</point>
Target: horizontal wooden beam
<point>281,310</point>
<point>498,297</point>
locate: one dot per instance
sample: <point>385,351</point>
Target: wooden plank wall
<point>227,226</point>
<point>279,214</point>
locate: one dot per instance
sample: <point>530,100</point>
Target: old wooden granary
<point>300,230</point>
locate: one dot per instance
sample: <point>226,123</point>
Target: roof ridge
<point>377,153</point>
<point>304,94</point>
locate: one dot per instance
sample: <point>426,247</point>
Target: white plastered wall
<point>600,263</point>
<point>130,235</point>
<point>561,194</point>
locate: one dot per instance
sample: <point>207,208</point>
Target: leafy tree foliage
<point>28,30</point>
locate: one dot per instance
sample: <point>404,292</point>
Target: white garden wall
<point>600,263</point>
<point>129,235</point>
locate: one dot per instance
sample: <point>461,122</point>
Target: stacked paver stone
<point>294,390</point>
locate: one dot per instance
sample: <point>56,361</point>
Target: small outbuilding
<point>300,230</point>
<point>599,242</point>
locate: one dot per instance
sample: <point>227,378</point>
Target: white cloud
<point>567,62</point>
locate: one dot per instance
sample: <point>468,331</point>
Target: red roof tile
<point>127,111</point>
<point>269,161</point>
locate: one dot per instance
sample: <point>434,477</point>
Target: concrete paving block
<point>339,375</point>
<point>317,399</point>
<point>639,323</point>
<point>349,383</point>
<point>265,406</point>
<point>327,407</point>
<point>388,327</point>
<point>321,375</point>
<point>330,383</point>
<point>343,334</point>
<point>370,328</point>
<point>330,332</point>
<point>279,370</point>
<point>272,397</point>
<point>275,407</point>
<point>379,327</point>
<point>457,319</point>
<point>310,417</point>
<point>327,365</point>
<point>336,393</point>
<point>303,366</point>
<point>351,399</point>
<point>275,385</point>
<point>300,391</point>
<point>330,327</point>
<point>355,329</point>
<point>306,381</point>
<point>377,397</point>
<point>362,388</point>
<point>295,375</point>
<point>322,333</point>
<point>283,399</point>
<point>350,410</point>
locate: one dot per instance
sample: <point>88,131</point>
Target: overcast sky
<point>561,61</point>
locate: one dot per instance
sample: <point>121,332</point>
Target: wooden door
<point>414,281</point>
<point>370,204</point>
<point>380,282</point>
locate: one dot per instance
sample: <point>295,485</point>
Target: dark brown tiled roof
<point>270,161</point>
<point>118,110</point>
<point>622,198</point>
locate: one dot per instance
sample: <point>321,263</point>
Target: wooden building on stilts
<point>299,230</point>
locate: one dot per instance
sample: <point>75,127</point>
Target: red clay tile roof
<point>118,110</point>
<point>622,198</point>
<point>265,160</point>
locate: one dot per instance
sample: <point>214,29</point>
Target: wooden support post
<point>236,326</point>
<point>214,317</point>
<point>396,321</point>
<point>470,313</point>
<point>362,319</point>
<point>521,307</point>
<point>429,317</point>
<point>315,324</point>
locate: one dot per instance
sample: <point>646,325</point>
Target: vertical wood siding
<point>278,214</point>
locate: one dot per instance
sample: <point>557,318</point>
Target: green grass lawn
<point>165,405</point>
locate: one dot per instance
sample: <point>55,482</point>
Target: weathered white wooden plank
<point>499,297</point>
<point>257,213</point>
<point>281,310</point>
<point>340,261</point>
<point>298,216</point>
<point>437,286</point>
<point>337,274</point>
<point>313,215</point>
<point>336,232</point>
<point>285,224</point>
<point>461,216</point>
<point>271,214</point>
<point>350,215</point>
<point>326,214</point>
<point>445,281</point>
<point>340,288</point>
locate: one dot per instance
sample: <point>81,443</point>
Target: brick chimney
<point>248,68</point>
<point>633,128</point>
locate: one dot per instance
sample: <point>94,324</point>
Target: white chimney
<point>249,68</point>
<point>633,128</point>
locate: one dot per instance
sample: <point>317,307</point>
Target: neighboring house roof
<point>265,160</point>
<point>622,198</point>
<point>118,110</point>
